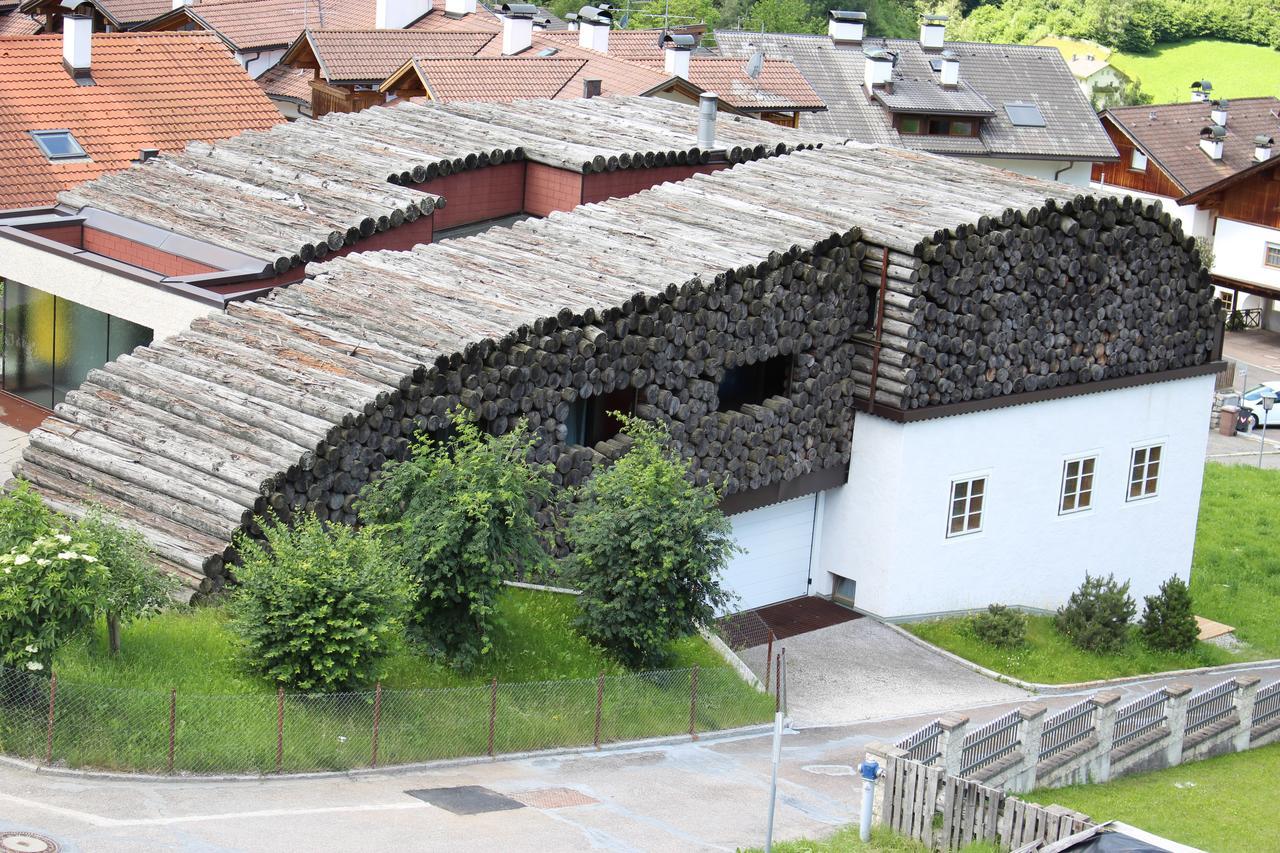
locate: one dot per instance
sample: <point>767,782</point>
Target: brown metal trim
<point>1250,287</point>
<point>875,353</point>
<point>928,413</point>
<point>808,484</point>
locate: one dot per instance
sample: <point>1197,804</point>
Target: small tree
<point>1168,621</point>
<point>135,588</point>
<point>647,548</point>
<point>460,518</point>
<point>23,517</point>
<point>1000,626</point>
<point>50,589</point>
<point>1096,617</point>
<point>318,605</point>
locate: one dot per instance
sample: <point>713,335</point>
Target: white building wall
<point>259,62</point>
<point>1239,249</point>
<point>1195,222</point>
<point>1068,171</point>
<point>164,312</point>
<point>886,528</point>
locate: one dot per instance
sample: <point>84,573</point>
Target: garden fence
<point>50,721</point>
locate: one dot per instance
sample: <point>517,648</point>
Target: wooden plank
<point>948,813</point>
<point>992,814</point>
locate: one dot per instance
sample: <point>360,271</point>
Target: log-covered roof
<point>187,439</point>
<point>300,190</point>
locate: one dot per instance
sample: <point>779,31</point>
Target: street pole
<point>773,784</point>
<point>1267,400</point>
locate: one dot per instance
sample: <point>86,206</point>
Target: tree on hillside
<point>650,15</point>
<point>782,16</point>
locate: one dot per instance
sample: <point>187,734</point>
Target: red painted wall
<point>140,255</point>
<point>68,235</point>
<point>478,194</point>
<point>548,189</point>
<point>601,186</point>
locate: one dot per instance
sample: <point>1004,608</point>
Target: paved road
<point>1257,351</point>
<point>709,795</point>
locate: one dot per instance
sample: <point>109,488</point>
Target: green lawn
<point>1236,70</point>
<point>1220,804</point>
<point>846,841</point>
<point>114,713</point>
<point>1235,579</point>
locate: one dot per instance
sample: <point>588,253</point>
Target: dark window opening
<point>754,383</point>
<point>936,126</point>
<point>591,420</point>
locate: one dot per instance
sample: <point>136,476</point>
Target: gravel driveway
<point>863,670</point>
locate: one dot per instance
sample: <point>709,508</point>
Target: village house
<point>1013,106</point>
<point>1101,82</point>
<point>1210,162</point>
<point>902,369</point>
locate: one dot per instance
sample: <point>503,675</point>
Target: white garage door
<point>777,540</point>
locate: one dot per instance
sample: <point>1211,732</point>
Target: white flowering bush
<point>50,588</point>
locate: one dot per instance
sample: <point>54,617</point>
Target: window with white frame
<point>1272,256</point>
<point>967,497</point>
<point>1144,472</point>
<point>1077,485</point>
<point>1138,162</point>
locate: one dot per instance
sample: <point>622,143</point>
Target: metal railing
<point>1266,704</point>
<point>1067,728</point>
<point>922,745</point>
<point>991,743</point>
<point>1209,706</point>
<point>1139,717</point>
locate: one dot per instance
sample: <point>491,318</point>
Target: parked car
<point>1251,411</point>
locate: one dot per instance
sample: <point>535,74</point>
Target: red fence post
<point>768,661</point>
<point>693,703</point>
<point>173,723</point>
<point>377,718</point>
<point>599,705</point>
<point>280,730</point>
<point>777,684</point>
<point>53,696</point>
<point>493,712</point>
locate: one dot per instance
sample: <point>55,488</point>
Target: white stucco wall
<point>1239,249</point>
<point>886,528</point>
<point>1077,171</point>
<point>164,312</point>
<point>259,62</point>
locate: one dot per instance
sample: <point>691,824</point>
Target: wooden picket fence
<point>947,812</point>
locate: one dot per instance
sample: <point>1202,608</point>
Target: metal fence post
<point>599,705</point>
<point>377,718</point>
<point>777,684</point>
<point>280,729</point>
<point>493,712</point>
<point>768,661</point>
<point>53,697</point>
<point>693,703</point>
<point>173,725</point>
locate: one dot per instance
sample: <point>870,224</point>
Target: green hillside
<point>1236,70</point>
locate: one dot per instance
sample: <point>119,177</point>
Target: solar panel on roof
<point>1024,115</point>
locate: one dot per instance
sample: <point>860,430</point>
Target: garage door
<point>776,540</point>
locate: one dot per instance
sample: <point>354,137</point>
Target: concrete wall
<point>886,528</point>
<point>1072,171</point>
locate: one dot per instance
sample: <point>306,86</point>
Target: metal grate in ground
<point>553,798</point>
<point>466,799</point>
<point>802,615</point>
<point>26,842</point>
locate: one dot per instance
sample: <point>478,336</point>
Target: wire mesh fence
<point>50,721</point>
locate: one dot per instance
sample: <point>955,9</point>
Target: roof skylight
<point>58,144</point>
<point>1024,115</point>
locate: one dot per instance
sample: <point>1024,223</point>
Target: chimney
<point>398,14</point>
<point>77,38</point>
<point>676,50</point>
<point>591,87</point>
<point>1218,113</point>
<point>572,20</point>
<point>1262,147</point>
<point>178,4</point>
<point>1212,140</point>
<point>1201,90</point>
<point>877,69</point>
<point>517,27</point>
<point>459,8</point>
<point>708,106</point>
<point>846,27</point>
<point>933,30</point>
<point>950,73</point>
<point>593,28</point>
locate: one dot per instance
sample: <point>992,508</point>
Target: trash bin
<point>1227,420</point>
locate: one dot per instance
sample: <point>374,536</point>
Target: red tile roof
<point>152,90</point>
<point>120,13</point>
<point>507,78</point>
<point>285,82</point>
<point>17,24</point>
<point>617,76</point>
<point>371,56</point>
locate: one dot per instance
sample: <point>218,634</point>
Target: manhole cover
<point>466,799</point>
<point>829,769</point>
<point>554,798</point>
<point>26,842</point>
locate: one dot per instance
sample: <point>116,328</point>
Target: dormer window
<point>918,125</point>
<point>58,145</point>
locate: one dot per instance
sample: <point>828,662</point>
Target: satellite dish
<point>755,64</point>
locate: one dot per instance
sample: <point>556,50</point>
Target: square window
<point>1138,162</point>
<point>1077,485</point>
<point>966,506</point>
<point>1272,256</point>
<point>961,128</point>
<point>591,419</point>
<point>58,144</point>
<point>754,383</point>
<point>909,124</point>
<point>1144,472</point>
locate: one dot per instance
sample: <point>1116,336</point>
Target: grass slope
<point>1220,804</point>
<point>1236,70</point>
<point>846,841</point>
<point>1235,579</point>
<point>114,713</point>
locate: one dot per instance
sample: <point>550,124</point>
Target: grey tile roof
<point>998,73</point>
<point>914,95</point>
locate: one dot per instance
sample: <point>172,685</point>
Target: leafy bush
<point>1000,626</point>
<point>1168,621</point>
<point>23,517</point>
<point>647,546</point>
<point>461,519</point>
<point>50,588</point>
<point>318,606</point>
<point>1096,617</point>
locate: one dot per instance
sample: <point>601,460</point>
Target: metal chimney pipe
<point>708,106</point>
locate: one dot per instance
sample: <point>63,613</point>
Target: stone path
<point>12,442</point>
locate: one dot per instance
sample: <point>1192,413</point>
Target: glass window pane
<point>123,337</point>
<point>1088,465</point>
<point>81,345</point>
<point>975,503</point>
<point>1153,454</point>
<point>960,491</point>
<point>975,520</point>
<point>957,524</point>
<point>1068,503</point>
<point>978,486</point>
<point>29,333</point>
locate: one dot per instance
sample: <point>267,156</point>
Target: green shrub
<point>1000,626</point>
<point>50,588</point>
<point>23,517</point>
<point>1168,621</point>
<point>317,606</point>
<point>461,519</point>
<point>647,546</point>
<point>1096,617</point>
